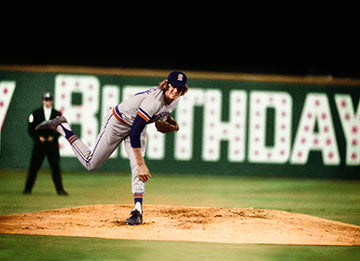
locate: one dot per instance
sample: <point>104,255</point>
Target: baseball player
<point>126,123</point>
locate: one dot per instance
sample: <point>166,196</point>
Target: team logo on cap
<point>180,77</point>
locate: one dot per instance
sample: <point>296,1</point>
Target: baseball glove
<point>167,126</point>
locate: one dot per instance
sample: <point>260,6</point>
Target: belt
<point>117,115</point>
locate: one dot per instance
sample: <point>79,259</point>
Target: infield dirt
<point>184,223</point>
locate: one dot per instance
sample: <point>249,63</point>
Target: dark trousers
<point>40,150</point>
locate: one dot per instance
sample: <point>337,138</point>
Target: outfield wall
<point>238,124</point>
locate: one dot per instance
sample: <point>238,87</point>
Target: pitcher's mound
<point>180,223</point>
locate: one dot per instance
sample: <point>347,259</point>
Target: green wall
<point>234,126</point>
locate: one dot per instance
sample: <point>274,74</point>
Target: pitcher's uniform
<point>125,123</point>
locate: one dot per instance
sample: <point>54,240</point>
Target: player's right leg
<point>107,141</point>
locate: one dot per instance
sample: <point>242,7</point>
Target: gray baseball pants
<point>112,133</point>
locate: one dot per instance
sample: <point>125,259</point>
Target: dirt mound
<point>181,223</point>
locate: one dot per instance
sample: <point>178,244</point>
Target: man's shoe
<point>62,193</point>
<point>51,124</point>
<point>27,192</point>
<point>135,219</point>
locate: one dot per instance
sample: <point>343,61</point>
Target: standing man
<point>45,144</point>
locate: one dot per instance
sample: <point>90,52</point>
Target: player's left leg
<point>137,186</point>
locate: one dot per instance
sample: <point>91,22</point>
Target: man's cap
<point>178,79</point>
<point>47,96</point>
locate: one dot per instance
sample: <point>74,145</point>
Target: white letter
<point>350,122</point>
<point>215,130</point>
<point>7,89</point>
<point>185,118</point>
<point>316,110</point>
<point>281,102</point>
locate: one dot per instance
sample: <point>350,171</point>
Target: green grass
<point>332,199</point>
<point>74,248</point>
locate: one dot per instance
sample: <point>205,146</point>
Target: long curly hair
<point>164,85</point>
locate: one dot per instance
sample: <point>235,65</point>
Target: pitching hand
<point>143,172</point>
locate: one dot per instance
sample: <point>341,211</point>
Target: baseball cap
<point>178,79</point>
<point>47,96</point>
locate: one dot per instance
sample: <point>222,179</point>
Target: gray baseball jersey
<point>150,105</point>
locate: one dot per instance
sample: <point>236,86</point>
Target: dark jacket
<point>38,117</point>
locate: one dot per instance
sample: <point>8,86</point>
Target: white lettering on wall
<point>216,130</point>
<point>185,118</point>
<point>279,152</point>
<point>316,112</point>
<point>350,122</point>
<point>315,130</point>
<point>7,89</point>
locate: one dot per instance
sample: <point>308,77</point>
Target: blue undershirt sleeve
<point>135,132</point>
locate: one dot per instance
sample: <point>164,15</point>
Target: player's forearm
<point>143,171</point>
<point>138,156</point>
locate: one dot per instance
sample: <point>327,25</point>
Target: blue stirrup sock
<point>138,199</point>
<point>69,134</point>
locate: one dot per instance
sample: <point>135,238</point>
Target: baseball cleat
<point>51,124</point>
<point>135,219</point>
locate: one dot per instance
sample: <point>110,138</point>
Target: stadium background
<point>307,49</point>
<point>231,124</point>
